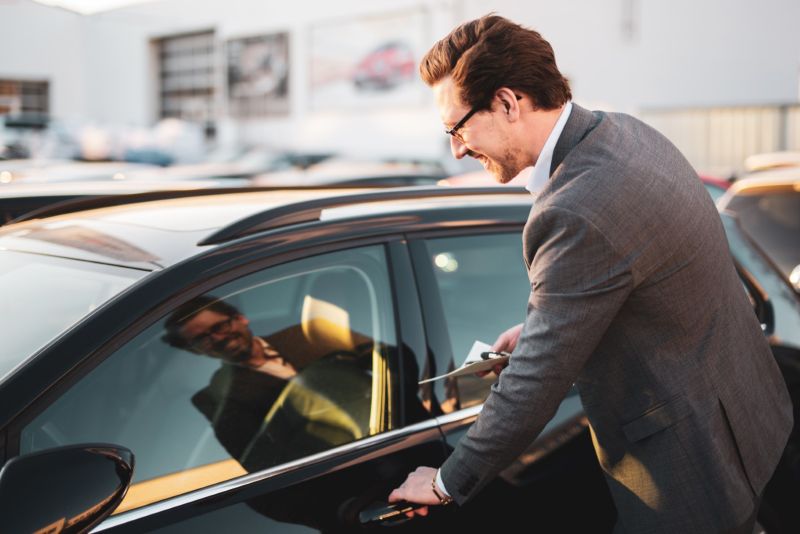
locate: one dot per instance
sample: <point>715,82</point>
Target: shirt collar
<point>541,171</point>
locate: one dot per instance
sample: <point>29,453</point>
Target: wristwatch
<point>443,499</point>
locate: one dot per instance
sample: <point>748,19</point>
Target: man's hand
<point>417,489</point>
<point>507,342</point>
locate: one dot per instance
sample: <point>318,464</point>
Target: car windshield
<point>43,296</point>
<point>773,221</point>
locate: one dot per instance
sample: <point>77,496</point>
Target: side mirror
<point>66,489</point>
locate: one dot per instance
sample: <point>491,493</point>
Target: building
<point>308,74</point>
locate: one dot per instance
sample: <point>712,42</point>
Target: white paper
<point>473,363</point>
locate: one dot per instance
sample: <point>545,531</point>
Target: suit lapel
<point>581,121</point>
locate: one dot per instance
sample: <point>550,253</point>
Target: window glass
<point>278,365</point>
<point>483,288</point>
<point>56,292</point>
<point>773,221</point>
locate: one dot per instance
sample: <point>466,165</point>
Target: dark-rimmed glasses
<point>453,132</point>
<point>204,340</point>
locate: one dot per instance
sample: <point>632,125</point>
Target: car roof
<point>151,235</point>
<point>340,169</point>
<point>772,160</point>
<point>778,179</point>
<point>102,187</point>
<point>763,183</point>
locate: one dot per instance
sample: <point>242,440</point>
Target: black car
<point>115,398</point>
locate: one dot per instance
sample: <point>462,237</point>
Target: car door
<point>307,447</point>
<point>474,287</point>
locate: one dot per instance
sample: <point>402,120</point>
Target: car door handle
<point>387,514</point>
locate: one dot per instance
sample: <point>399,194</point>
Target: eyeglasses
<point>454,130</point>
<point>204,340</point>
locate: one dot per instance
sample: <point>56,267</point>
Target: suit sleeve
<point>578,284</point>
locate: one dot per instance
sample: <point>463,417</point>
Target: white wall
<point>411,130</point>
<point>42,43</point>
<point>681,52</point>
<point>675,53</point>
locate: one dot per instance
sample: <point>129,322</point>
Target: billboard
<point>258,75</point>
<point>368,61</point>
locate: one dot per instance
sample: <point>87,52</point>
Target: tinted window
<point>43,296</point>
<point>484,291</point>
<point>270,368</point>
<point>773,221</point>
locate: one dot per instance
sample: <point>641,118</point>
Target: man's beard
<point>503,170</point>
<point>239,353</point>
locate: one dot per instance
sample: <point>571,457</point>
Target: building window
<point>28,98</point>
<point>258,75</point>
<point>186,69</point>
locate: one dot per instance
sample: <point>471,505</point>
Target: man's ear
<point>508,102</point>
<point>242,319</point>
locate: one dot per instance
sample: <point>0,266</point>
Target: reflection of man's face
<point>219,336</point>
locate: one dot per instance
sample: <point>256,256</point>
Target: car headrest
<point>327,309</point>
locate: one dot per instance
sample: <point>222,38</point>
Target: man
<point>250,379</point>
<point>633,298</point>
<point>265,409</point>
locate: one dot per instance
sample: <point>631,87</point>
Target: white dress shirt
<point>541,171</point>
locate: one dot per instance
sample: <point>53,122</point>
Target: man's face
<point>219,336</point>
<point>487,136</point>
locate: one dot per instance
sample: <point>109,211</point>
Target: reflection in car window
<point>57,292</point>
<point>288,362</point>
<point>481,281</point>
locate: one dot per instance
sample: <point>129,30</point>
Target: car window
<point>57,292</point>
<point>482,284</point>
<point>773,221</point>
<point>282,364</point>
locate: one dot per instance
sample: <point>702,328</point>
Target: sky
<point>91,6</point>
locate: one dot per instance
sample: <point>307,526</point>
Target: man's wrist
<point>439,490</point>
<point>440,483</point>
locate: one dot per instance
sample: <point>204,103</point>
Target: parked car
<point>772,160</point>
<point>239,166</point>
<point>18,199</point>
<point>716,187</point>
<point>361,293</point>
<point>69,171</point>
<point>355,173</point>
<point>768,207</point>
<point>11,169</point>
<point>482,178</point>
<point>38,199</point>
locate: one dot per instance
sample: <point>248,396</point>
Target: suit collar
<point>581,121</point>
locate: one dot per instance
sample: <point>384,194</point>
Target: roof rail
<point>310,210</point>
<point>90,202</point>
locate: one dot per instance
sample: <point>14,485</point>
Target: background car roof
<point>772,160</point>
<point>775,181</point>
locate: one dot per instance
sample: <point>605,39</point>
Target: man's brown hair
<point>491,52</point>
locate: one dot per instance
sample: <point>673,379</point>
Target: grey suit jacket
<point>634,298</point>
